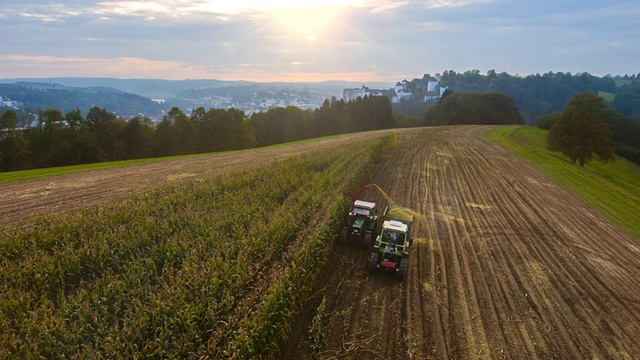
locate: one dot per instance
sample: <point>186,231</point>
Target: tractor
<point>362,222</point>
<point>391,249</point>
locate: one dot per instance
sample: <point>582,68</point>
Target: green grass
<point>613,188</point>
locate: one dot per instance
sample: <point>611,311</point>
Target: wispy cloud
<point>42,17</point>
<point>53,66</point>
<point>221,7</point>
<point>437,4</point>
<point>386,6</point>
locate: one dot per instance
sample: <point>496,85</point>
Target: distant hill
<point>49,95</point>
<point>168,89</point>
<point>151,88</point>
<point>184,94</point>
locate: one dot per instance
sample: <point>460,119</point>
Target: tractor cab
<point>393,237</point>
<point>361,223</point>
<point>391,249</point>
<point>362,209</point>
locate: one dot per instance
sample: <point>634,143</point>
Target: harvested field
<point>505,264</point>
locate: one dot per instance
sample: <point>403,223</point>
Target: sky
<point>316,40</point>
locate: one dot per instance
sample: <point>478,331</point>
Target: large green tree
<point>281,125</point>
<point>473,108</point>
<point>581,131</point>
<point>108,129</point>
<point>14,148</point>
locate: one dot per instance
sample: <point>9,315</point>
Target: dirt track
<point>505,264</point>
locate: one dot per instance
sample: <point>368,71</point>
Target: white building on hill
<point>400,92</point>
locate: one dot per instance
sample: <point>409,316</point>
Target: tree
<point>627,100</point>
<point>281,125</point>
<point>45,140</point>
<point>332,118</point>
<point>14,148</point>
<point>581,130</point>
<point>108,129</point>
<point>403,121</point>
<point>473,108</point>
<point>138,138</point>
<point>546,121</point>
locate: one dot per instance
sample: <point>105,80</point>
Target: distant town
<point>305,98</point>
<point>251,98</point>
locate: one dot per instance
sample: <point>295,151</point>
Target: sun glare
<point>309,20</point>
<point>310,24</point>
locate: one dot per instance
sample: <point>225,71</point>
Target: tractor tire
<point>373,263</point>
<point>343,237</point>
<point>403,269</point>
<point>367,241</point>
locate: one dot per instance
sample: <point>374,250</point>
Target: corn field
<point>216,268</point>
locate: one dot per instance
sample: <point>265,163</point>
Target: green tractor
<point>361,224</point>
<point>391,248</point>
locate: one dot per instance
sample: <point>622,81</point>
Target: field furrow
<point>505,263</point>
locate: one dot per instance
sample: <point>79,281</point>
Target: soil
<point>504,262</point>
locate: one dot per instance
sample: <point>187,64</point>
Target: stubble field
<point>505,264</point>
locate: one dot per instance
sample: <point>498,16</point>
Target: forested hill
<point>534,95</point>
<point>34,96</point>
<point>538,95</point>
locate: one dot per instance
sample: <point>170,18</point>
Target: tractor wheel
<point>343,237</point>
<point>373,262</point>
<point>403,269</point>
<point>367,242</point>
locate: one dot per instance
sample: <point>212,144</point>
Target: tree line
<point>473,108</point>
<point>70,139</point>
<point>541,94</point>
<point>535,95</point>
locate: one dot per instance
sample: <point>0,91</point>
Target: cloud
<point>20,66</point>
<point>438,4</point>
<point>132,8</point>
<point>176,8</point>
<point>124,67</point>
<point>324,38</point>
<point>605,12</point>
<point>386,6</point>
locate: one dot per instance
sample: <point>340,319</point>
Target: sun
<point>306,23</point>
<point>310,20</point>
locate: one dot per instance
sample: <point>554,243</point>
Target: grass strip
<point>612,188</point>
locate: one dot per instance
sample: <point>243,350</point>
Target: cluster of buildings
<point>402,91</point>
<point>8,103</point>
<point>261,101</point>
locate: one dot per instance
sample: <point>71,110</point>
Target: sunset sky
<point>282,40</point>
